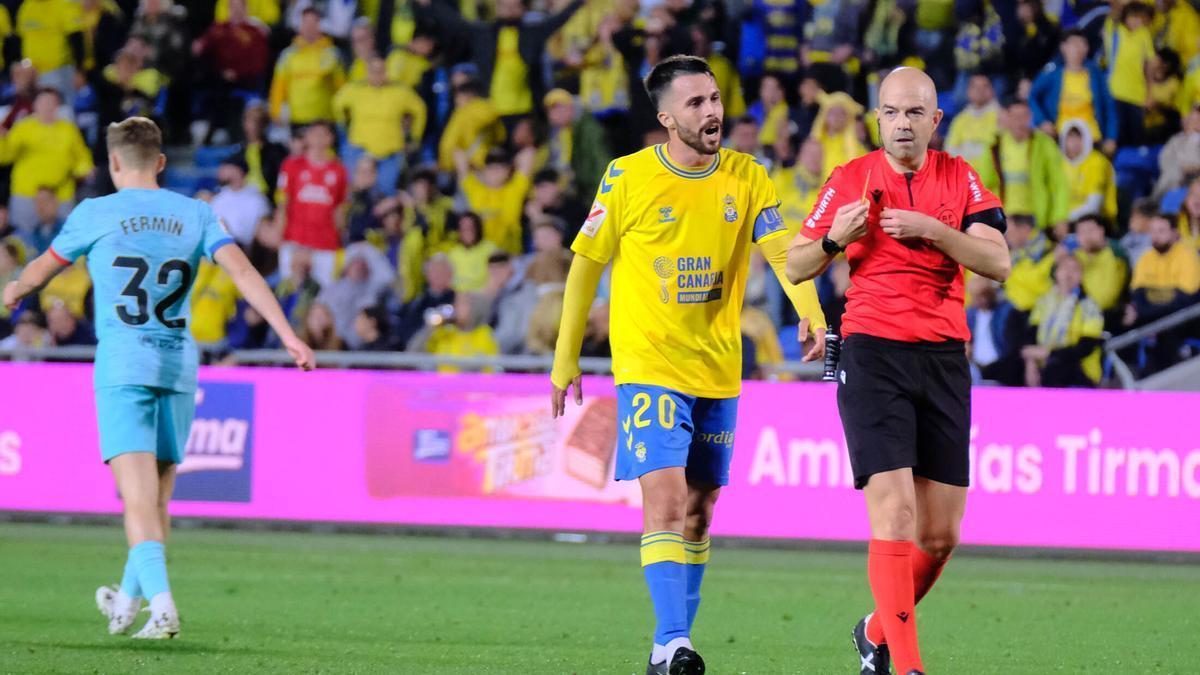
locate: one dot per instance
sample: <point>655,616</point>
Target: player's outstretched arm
<point>254,288</point>
<point>582,281</point>
<point>35,275</point>
<point>803,297</point>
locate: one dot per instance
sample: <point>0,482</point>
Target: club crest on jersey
<point>731,213</point>
<point>664,267</point>
<point>664,214</point>
<point>640,452</point>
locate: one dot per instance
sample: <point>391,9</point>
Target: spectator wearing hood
<point>1089,174</point>
<point>835,129</point>
<point>364,280</point>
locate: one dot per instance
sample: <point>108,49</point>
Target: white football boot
<point>120,610</point>
<point>164,620</point>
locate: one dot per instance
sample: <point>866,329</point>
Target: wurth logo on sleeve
<point>822,206</point>
<point>973,185</point>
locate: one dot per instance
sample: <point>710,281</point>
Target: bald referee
<point>909,219</point>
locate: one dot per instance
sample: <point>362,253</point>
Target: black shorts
<point>906,404</point>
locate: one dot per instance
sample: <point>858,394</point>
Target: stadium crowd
<point>409,174</point>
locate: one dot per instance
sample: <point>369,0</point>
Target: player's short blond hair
<point>137,140</point>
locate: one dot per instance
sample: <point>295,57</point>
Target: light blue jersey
<point>142,248</point>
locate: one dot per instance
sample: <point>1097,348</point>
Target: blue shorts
<point>144,419</point>
<point>661,428</point>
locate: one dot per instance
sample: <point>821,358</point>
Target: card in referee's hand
<point>866,184</point>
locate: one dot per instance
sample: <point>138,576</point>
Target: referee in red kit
<point>909,219</point>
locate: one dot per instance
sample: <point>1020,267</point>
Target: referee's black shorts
<point>906,404</point>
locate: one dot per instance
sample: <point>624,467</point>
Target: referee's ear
<point>160,164</point>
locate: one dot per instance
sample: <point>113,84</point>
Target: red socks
<point>890,570</point>
<point>926,570</point>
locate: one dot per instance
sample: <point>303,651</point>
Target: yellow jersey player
<point>676,221</point>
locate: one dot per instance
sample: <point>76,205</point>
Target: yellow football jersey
<point>679,240</point>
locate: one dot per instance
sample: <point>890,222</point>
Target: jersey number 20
<point>134,289</point>
<point>666,410</point>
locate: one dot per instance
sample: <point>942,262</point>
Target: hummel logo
<point>903,616</point>
<point>625,424</point>
<point>613,172</point>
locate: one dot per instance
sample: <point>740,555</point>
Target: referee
<point>908,219</point>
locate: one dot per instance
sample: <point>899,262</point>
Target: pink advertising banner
<point>1075,469</point>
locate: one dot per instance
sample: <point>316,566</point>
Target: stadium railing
<point>1115,362</point>
<point>400,361</point>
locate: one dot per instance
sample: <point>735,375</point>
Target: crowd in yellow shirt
<point>477,126</point>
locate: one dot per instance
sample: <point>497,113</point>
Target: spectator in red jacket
<point>233,56</point>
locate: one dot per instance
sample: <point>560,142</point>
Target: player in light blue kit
<point>143,245</point>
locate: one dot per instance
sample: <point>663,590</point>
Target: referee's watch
<point>830,246</point>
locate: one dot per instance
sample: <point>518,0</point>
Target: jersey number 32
<point>135,289</point>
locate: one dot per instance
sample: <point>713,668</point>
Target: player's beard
<point>697,140</point>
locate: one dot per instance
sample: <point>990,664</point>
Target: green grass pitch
<point>284,602</point>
